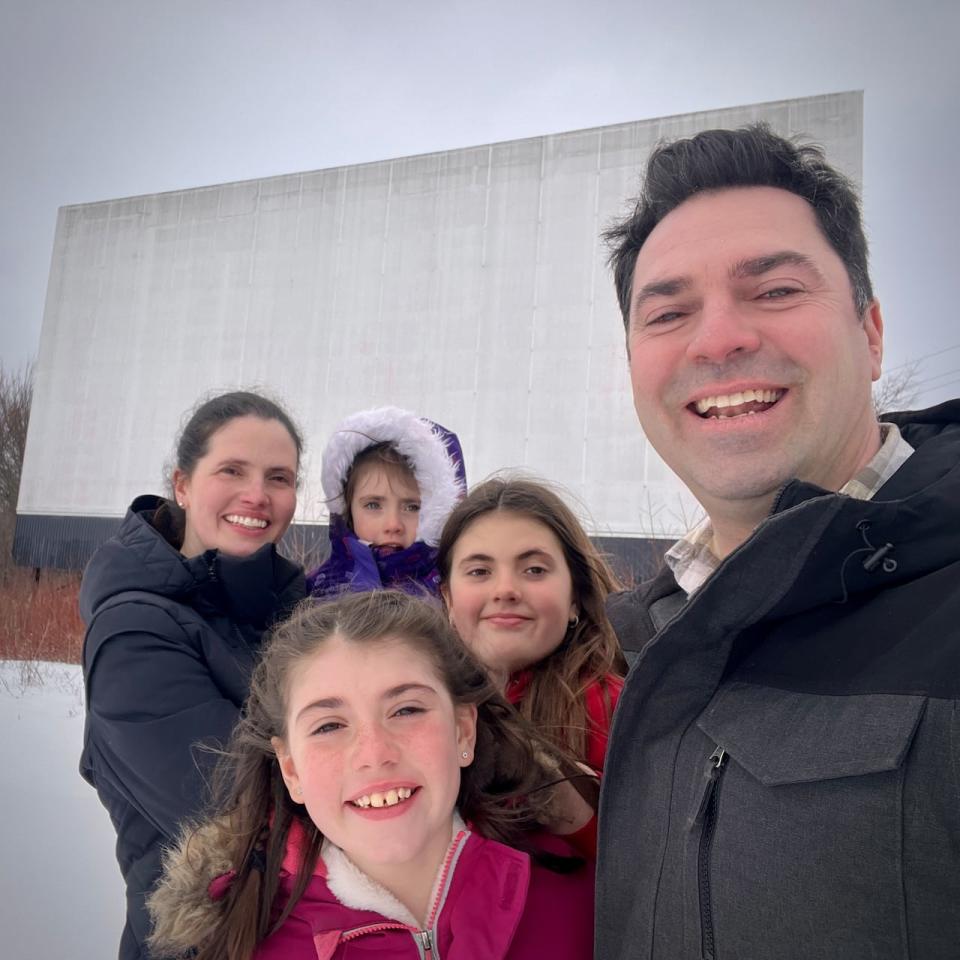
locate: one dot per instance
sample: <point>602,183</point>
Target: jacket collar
<point>353,888</point>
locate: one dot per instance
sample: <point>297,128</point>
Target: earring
<point>572,624</point>
<point>465,755</point>
<point>297,791</point>
<point>180,504</point>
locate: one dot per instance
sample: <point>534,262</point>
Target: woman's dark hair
<point>753,156</point>
<point>194,442</point>
<point>502,793</point>
<point>386,455</point>
<point>589,652</point>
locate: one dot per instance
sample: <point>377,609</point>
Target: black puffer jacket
<point>783,776</point>
<point>170,646</point>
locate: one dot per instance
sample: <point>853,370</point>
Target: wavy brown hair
<point>504,793</point>
<point>589,652</point>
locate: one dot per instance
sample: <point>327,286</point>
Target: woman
<point>176,605</point>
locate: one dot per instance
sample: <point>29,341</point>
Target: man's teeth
<point>389,799</point>
<point>246,521</point>
<point>737,399</point>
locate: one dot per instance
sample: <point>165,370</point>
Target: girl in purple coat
<point>391,479</point>
<point>381,798</point>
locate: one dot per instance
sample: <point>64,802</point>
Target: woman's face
<point>374,749</point>
<point>509,594</point>
<point>242,492</point>
<point>385,507</point>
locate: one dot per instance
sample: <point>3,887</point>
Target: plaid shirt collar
<point>691,558</point>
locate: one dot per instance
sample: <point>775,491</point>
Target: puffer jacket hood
<point>137,558</point>
<point>433,452</point>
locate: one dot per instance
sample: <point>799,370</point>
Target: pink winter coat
<point>492,903</point>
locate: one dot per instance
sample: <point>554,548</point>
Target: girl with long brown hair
<point>526,591</point>
<point>379,796</point>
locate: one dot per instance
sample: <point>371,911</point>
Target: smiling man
<point>783,777</point>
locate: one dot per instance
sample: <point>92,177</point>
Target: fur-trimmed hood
<point>433,452</point>
<point>490,902</point>
<point>185,905</point>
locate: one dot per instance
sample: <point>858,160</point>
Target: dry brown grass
<point>40,620</point>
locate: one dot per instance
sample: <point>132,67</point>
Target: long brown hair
<point>589,652</point>
<point>503,794</point>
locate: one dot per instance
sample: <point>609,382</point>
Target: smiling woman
<point>176,606</point>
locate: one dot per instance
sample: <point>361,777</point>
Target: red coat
<point>493,903</point>
<point>599,712</point>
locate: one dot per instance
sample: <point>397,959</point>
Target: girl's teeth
<point>389,799</point>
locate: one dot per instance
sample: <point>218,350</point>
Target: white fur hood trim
<point>421,442</point>
<point>353,888</point>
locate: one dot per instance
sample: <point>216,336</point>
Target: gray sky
<point>112,98</point>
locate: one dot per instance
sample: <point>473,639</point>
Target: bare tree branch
<point>897,390</point>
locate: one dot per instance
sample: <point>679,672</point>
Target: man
<point>783,777</point>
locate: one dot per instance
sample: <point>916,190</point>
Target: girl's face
<point>242,492</point>
<point>509,594</point>
<point>374,750</point>
<point>385,507</point>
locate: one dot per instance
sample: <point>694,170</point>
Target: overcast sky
<point>110,98</point>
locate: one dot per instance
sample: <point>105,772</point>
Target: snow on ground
<point>60,889</point>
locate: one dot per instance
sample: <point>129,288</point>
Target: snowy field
<point>60,889</point>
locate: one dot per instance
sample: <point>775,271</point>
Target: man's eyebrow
<point>669,287</point>
<point>758,266</point>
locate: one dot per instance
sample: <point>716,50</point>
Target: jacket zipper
<point>422,938</point>
<point>425,943</point>
<point>706,819</point>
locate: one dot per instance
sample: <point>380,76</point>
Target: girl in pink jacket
<point>381,798</point>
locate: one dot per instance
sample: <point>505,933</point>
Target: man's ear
<point>466,720</point>
<point>873,328</point>
<point>288,769</point>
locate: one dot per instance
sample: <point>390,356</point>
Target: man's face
<point>748,361</point>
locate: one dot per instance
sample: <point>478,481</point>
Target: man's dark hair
<point>753,156</point>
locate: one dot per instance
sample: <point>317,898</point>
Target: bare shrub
<point>39,619</point>
<point>16,394</point>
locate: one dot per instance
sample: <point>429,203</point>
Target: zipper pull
<point>711,774</point>
<point>426,943</point>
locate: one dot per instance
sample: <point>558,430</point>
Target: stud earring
<point>465,755</point>
<point>180,504</point>
<point>572,624</point>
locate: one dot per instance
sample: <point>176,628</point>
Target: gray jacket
<point>783,776</point>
